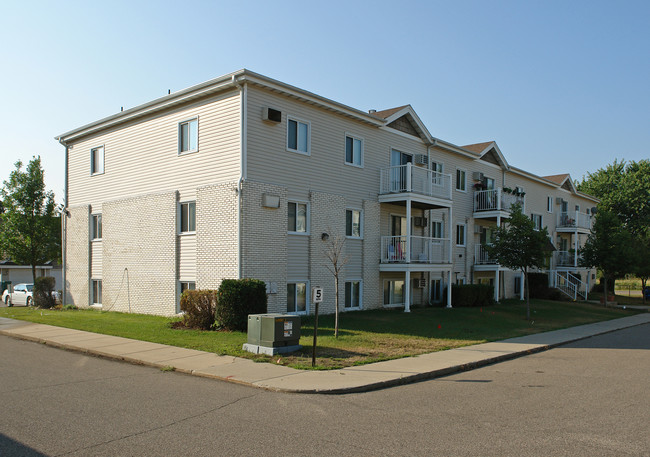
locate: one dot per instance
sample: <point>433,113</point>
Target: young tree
<point>519,246</point>
<point>30,232</point>
<point>609,247</point>
<point>334,253</point>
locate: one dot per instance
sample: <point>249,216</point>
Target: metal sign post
<point>316,298</point>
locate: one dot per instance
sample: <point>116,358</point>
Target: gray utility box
<point>273,333</point>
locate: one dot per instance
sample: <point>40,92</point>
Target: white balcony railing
<point>574,219</point>
<point>566,259</point>
<point>482,257</point>
<point>396,249</point>
<point>495,200</point>
<point>409,178</point>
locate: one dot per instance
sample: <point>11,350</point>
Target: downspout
<point>64,223</point>
<point>243,91</point>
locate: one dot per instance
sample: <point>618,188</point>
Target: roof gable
<point>405,120</point>
<point>488,152</point>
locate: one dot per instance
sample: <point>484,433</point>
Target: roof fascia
<point>409,110</point>
<point>552,184</point>
<point>502,159</point>
<point>453,148</point>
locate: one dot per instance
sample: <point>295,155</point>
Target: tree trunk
<point>336,304</point>
<point>33,274</point>
<point>527,295</point>
<point>643,283</point>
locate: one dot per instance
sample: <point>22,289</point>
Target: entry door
<point>398,175</point>
<point>436,290</point>
<point>489,183</point>
<point>397,248</point>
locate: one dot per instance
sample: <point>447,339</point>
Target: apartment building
<point>246,176</point>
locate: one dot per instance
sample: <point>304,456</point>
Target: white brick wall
<point>139,234</point>
<point>77,265</point>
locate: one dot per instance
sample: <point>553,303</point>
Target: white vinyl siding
<point>187,256</point>
<point>96,258</point>
<point>144,156</point>
<point>297,256</point>
<point>188,136</point>
<point>97,160</point>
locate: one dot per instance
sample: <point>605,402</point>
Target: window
<point>393,293</point>
<point>187,285</point>
<point>297,220</point>
<point>537,219</point>
<point>578,208</point>
<point>353,223</point>
<point>517,285</point>
<point>97,291</point>
<point>549,204</point>
<point>188,217</point>
<point>97,161</point>
<point>352,294</point>
<point>460,234</point>
<point>188,136</point>
<point>461,180</point>
<point>353,151</point>
<point>298,136</point>
<point>96,227</point>
<point>297,297</point>
<point>437,167</point>
<point>437,229</point>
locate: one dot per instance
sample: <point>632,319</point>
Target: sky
<point>561,86</point>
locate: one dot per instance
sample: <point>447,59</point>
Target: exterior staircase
<point>569,284</point>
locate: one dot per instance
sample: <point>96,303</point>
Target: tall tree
<point>609,247</point>
<point>519,246</point>
<point>30,232</point>
<point>624,189</point>
<point>642,260</point>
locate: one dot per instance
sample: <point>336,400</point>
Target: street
<point>588,398</point>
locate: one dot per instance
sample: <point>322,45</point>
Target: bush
<point>466,295</point>
<point>538,286</point>
<point>237,299</point>
<point>199,307</point>
<point>43,292</point>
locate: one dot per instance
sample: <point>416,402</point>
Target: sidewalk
<point>283,379</point>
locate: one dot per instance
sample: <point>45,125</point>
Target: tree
<point>623,189</point>
<point>609,247</point>
<point>519,246</point>
<point>334,253</point>
<point>641,266</point>
<point>30,232</point>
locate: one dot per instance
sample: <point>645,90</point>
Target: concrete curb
<point>275,378</point>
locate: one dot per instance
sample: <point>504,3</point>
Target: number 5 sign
<point>316,294</point>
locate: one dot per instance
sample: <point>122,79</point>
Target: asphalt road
<point>589,398</point>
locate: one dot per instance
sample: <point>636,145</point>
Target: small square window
<point>297,297</point>
<point>96,227</point>
<point>188,217</point>
<point>353,223</point>
<point>460,234</point>
<point>298,136</point>
<point>188,136</point>
<point>461,180</point>
<point>352,294</point>
<point>297,217</point>
<point>353,151</point>
<point>97,161</point>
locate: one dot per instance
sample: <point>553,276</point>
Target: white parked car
<point>22,295</point>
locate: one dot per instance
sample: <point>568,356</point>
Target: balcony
<point>495,200</point>
<point>566,259</point>
<point>575,220</point>
<point>414,250</point>
<point>482,257</point>
<point>415,182</point>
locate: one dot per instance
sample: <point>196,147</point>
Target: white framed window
<point>187,217</point>
<point>578,208</point>
<point>393,292</point>
<point>97,160</point>
<point>188,136</point>
<point>353,223</point>
<point>298,218</point>
<point>297,297</point>
<point>298,133</point>
<point>461,180</point>
<point>460,234</point>
<point>96,291</point>
<point>186,285</point>
<point>353,150</point>
<point>438,229</point>
<point>96,227</point>
<point>549,204</point>
<point>353,293</point>
<point>537,219</point>
<point>437,167</point>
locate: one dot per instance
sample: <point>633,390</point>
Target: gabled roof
<point>488,151</point>
<point>407,115</point>
<point>564,181</point>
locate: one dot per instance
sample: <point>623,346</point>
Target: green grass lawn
<point>364,336</point>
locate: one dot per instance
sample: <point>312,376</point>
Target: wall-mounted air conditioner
<point>420,221</point>
<point>271,114</point>
<point>419,283</point>
<point>421,159</point>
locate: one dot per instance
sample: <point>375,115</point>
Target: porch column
<point>407,292</point>
<point>450,234</point>
<point>408,230</point>
<point>496,285</point>
<point>449,289</point>
<point>521,289</point>
<point>575,247</point>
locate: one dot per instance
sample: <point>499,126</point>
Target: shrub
<point>465,295</point>
<point>199,307</point>
<point>237,299</point>
<point>538,285</point>
<point>43,292</point>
